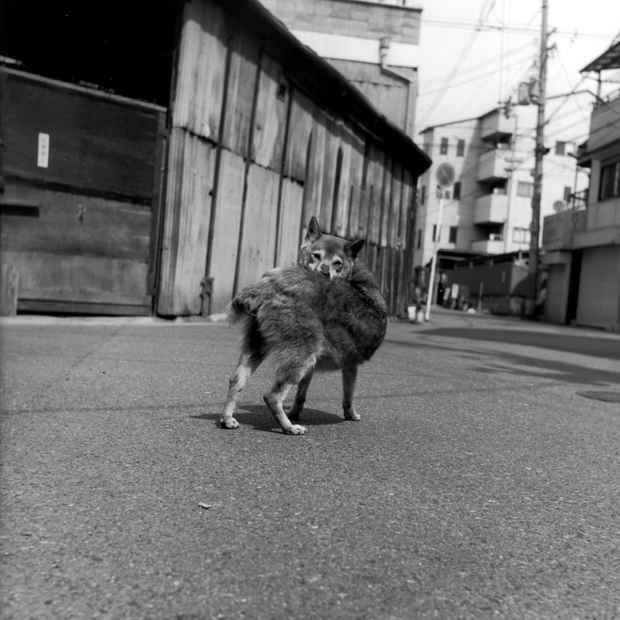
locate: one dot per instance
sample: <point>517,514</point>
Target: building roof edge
<point>318,78</point>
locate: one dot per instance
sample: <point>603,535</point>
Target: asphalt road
<point>483,479</point>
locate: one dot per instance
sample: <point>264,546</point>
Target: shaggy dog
<point>325,314</point>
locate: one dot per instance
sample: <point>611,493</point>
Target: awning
<point>609,59</point>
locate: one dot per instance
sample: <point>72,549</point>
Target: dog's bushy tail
<point>244,306</point>
<point>242,312</point>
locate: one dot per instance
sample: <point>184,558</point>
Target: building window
<point>423,194</point>
<point>460,148</point>
<point>525,189</point>
<point>521,235</point>
<point>434,232</point>
<point>560,147</point>
<point>443,146</point>
<point>610,181</point>
<point>456,191</point>
<point>567,193</point>
<point>419,244</point>
<point>453,231</point>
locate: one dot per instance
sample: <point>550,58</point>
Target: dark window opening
<point>443,147</point>
<point>525,189</point>
<point>95,45</point>
<point>610,181</point>
<point>456,191</point>
<point>460,148</point>
<point>453,233</point>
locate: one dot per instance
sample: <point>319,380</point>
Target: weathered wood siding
<point>80,226</point>
<point>252,157</point>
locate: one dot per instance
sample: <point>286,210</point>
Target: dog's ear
<point>314,230</point>
<point>353,247</point>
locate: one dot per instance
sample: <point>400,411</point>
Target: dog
<point>326,313</point>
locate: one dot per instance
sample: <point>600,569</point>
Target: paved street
<point>483,479</point>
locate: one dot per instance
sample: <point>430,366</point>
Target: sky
<point>464,72</point>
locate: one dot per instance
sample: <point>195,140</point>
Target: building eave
<point>609,59</point>
<point>315,76</point>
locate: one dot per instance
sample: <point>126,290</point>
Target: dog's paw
<point>351,414</point>
<point>229,423</point>
<point>295,429</point>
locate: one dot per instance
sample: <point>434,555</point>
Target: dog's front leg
<point>288,374</point>
<point>275,401</point>
<point>300,397</point>
<point>349,375</point>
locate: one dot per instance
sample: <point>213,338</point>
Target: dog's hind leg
<point>287,375</point>
<point>300,397</point>
<point>248,363</point>
<point>349,375</point>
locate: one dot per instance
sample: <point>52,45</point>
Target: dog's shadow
<point>259,417</point>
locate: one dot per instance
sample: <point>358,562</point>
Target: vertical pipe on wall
<point>287,124</point>
<point>248,161</point>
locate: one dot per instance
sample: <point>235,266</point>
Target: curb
<point>98,321</point>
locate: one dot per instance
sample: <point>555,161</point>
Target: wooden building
<point>167,200</point>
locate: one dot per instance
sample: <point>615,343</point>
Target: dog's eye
<point>316,255</point>
<point>337,265</point>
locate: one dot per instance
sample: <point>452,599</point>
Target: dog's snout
<point>325,269</point>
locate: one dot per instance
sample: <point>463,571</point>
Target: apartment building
<point>582,249</point>
<point>487,210</point>
<point>373,43</point>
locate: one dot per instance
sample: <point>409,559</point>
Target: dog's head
<point>331,256</point>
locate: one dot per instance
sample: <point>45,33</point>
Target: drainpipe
<point>384,48</point>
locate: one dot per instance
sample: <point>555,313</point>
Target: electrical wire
<point>471,80</point>
<point>488,4</point>
<point>565,100</point>
<point>517,28</point>
<point>491,61</point>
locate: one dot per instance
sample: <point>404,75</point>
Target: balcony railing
<point>492,166</point>
<point>559,229</point>
<point>491,209</point>
<point>488,246</point>
<point>496,126</point>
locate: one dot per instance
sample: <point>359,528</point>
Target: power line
<point>488,4</point>
<point>471,80</point>
<point>585,116</point>
<point>563,102</point>
<point>491,61</point>
<point>517,28</point>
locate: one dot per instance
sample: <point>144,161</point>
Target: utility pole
<point>436,243</point>
<point>539,152</point>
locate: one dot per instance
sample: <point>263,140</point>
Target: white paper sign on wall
<point>43,150</point>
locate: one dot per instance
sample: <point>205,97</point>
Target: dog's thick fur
<point>308,319</point>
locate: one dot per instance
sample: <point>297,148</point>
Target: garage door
<point>79,196</point>
<point>598,288</point>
